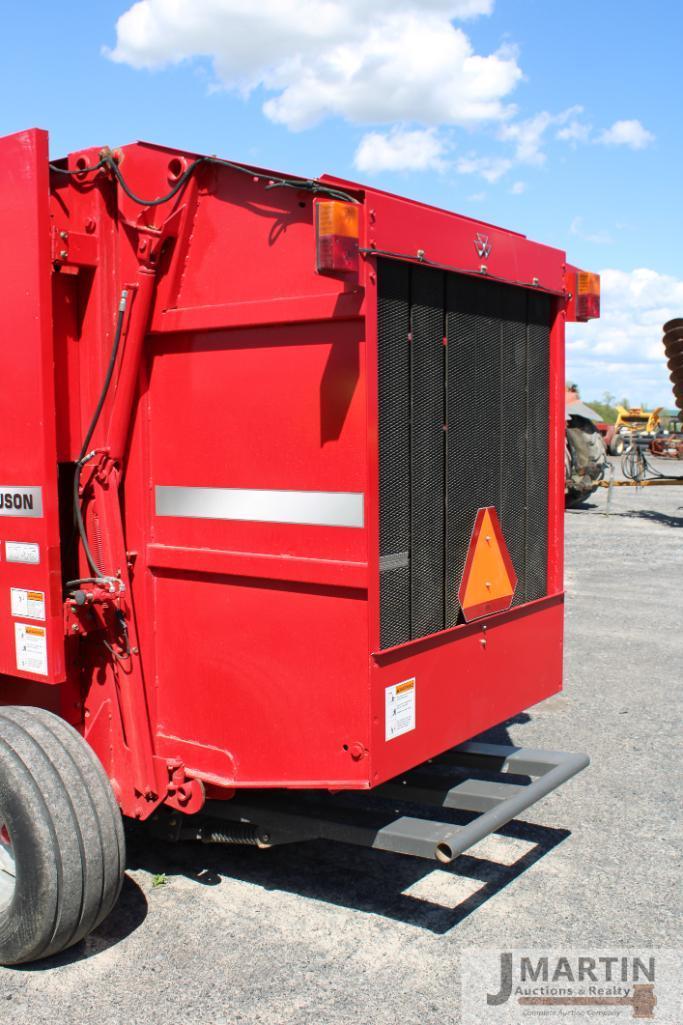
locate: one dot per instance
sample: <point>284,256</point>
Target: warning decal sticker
<point>31,648</point>
<point>28,604</point>
<point>399,709</point>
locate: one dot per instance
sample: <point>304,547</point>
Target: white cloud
<point>528,135</point>
<point>600,238</point>
<point>517,188</point>
<point>389,61</point>
<point>401,149</point>
<point>622,352</point>
<point>574,132</point>
<point>627,133</point>
<point>490,168</point>
<point>528,138</point>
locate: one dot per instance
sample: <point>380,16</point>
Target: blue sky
<point>559,120</point>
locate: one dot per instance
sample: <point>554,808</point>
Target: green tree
<point>605,407</point>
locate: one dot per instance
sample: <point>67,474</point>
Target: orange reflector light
<point>587,295</point>
<point>489,579</point>
<point>336,232</point>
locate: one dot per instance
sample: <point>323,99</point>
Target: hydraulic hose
<point>270,181</point>
<point>85,456</point>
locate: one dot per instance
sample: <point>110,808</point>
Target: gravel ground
<point>322,933</point>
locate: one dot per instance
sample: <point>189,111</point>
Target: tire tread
<point>79,825</point>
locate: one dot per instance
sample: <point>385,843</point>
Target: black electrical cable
<point>109,374</point>
<point>78,516</point>
<point>633,463</point>
<point>79,170</point>
<point>307,184</point>
<point>84,456</point>
<point>182,181</point>
<point>301,184</point>
<point>637,467</point>
<point>127,651</point>
<point>80,525</point>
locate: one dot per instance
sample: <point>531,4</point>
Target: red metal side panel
<point>259,638</point>
<point>32,637</point>
<point>444,239</point>
<point>466,681</point>
<point>470,678</point>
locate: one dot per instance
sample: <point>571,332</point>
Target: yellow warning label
<point>27,604</point>
<point>31,648</point>
<point>399,708</point>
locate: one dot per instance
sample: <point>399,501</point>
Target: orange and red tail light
<point>587,295</point>
<point>336,229</point>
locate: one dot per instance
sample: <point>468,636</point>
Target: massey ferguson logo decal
<point>20,501</point>
<point>482,245</point>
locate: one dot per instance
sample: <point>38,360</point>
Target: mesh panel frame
<point>462,425</point>
<point>428,450</point>
<point>393,329</point>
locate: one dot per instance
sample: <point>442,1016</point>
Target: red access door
<point>31,619</point>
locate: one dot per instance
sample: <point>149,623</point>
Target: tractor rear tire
<point>574,498</point>
<point>585,460</point>
<point>617,445</point>
<point>61,837</point>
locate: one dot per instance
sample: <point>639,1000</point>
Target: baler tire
<point>66,835</point>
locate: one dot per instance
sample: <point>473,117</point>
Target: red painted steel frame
<point>256,658</point>
<point>28,456</point>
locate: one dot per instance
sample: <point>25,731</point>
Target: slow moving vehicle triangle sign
<point>489,579</point>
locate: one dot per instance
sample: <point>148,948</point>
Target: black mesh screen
<point>427,452</point>
<point>393,328</point>
<point>463,423</point>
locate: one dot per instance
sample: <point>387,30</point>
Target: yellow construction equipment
<point>637,419</point>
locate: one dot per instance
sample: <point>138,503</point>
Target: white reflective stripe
<point>316,508</point>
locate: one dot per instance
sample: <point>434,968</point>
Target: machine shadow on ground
<point>412,891</point>
<point>372,881</point>
<point>394,886</point>
<point>580,507</point>
<point>653,515</point>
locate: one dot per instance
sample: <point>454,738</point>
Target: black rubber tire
<point>66,831</point>
<point>616,445</point>
<point>585,460</point>
<point>574,498</point>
